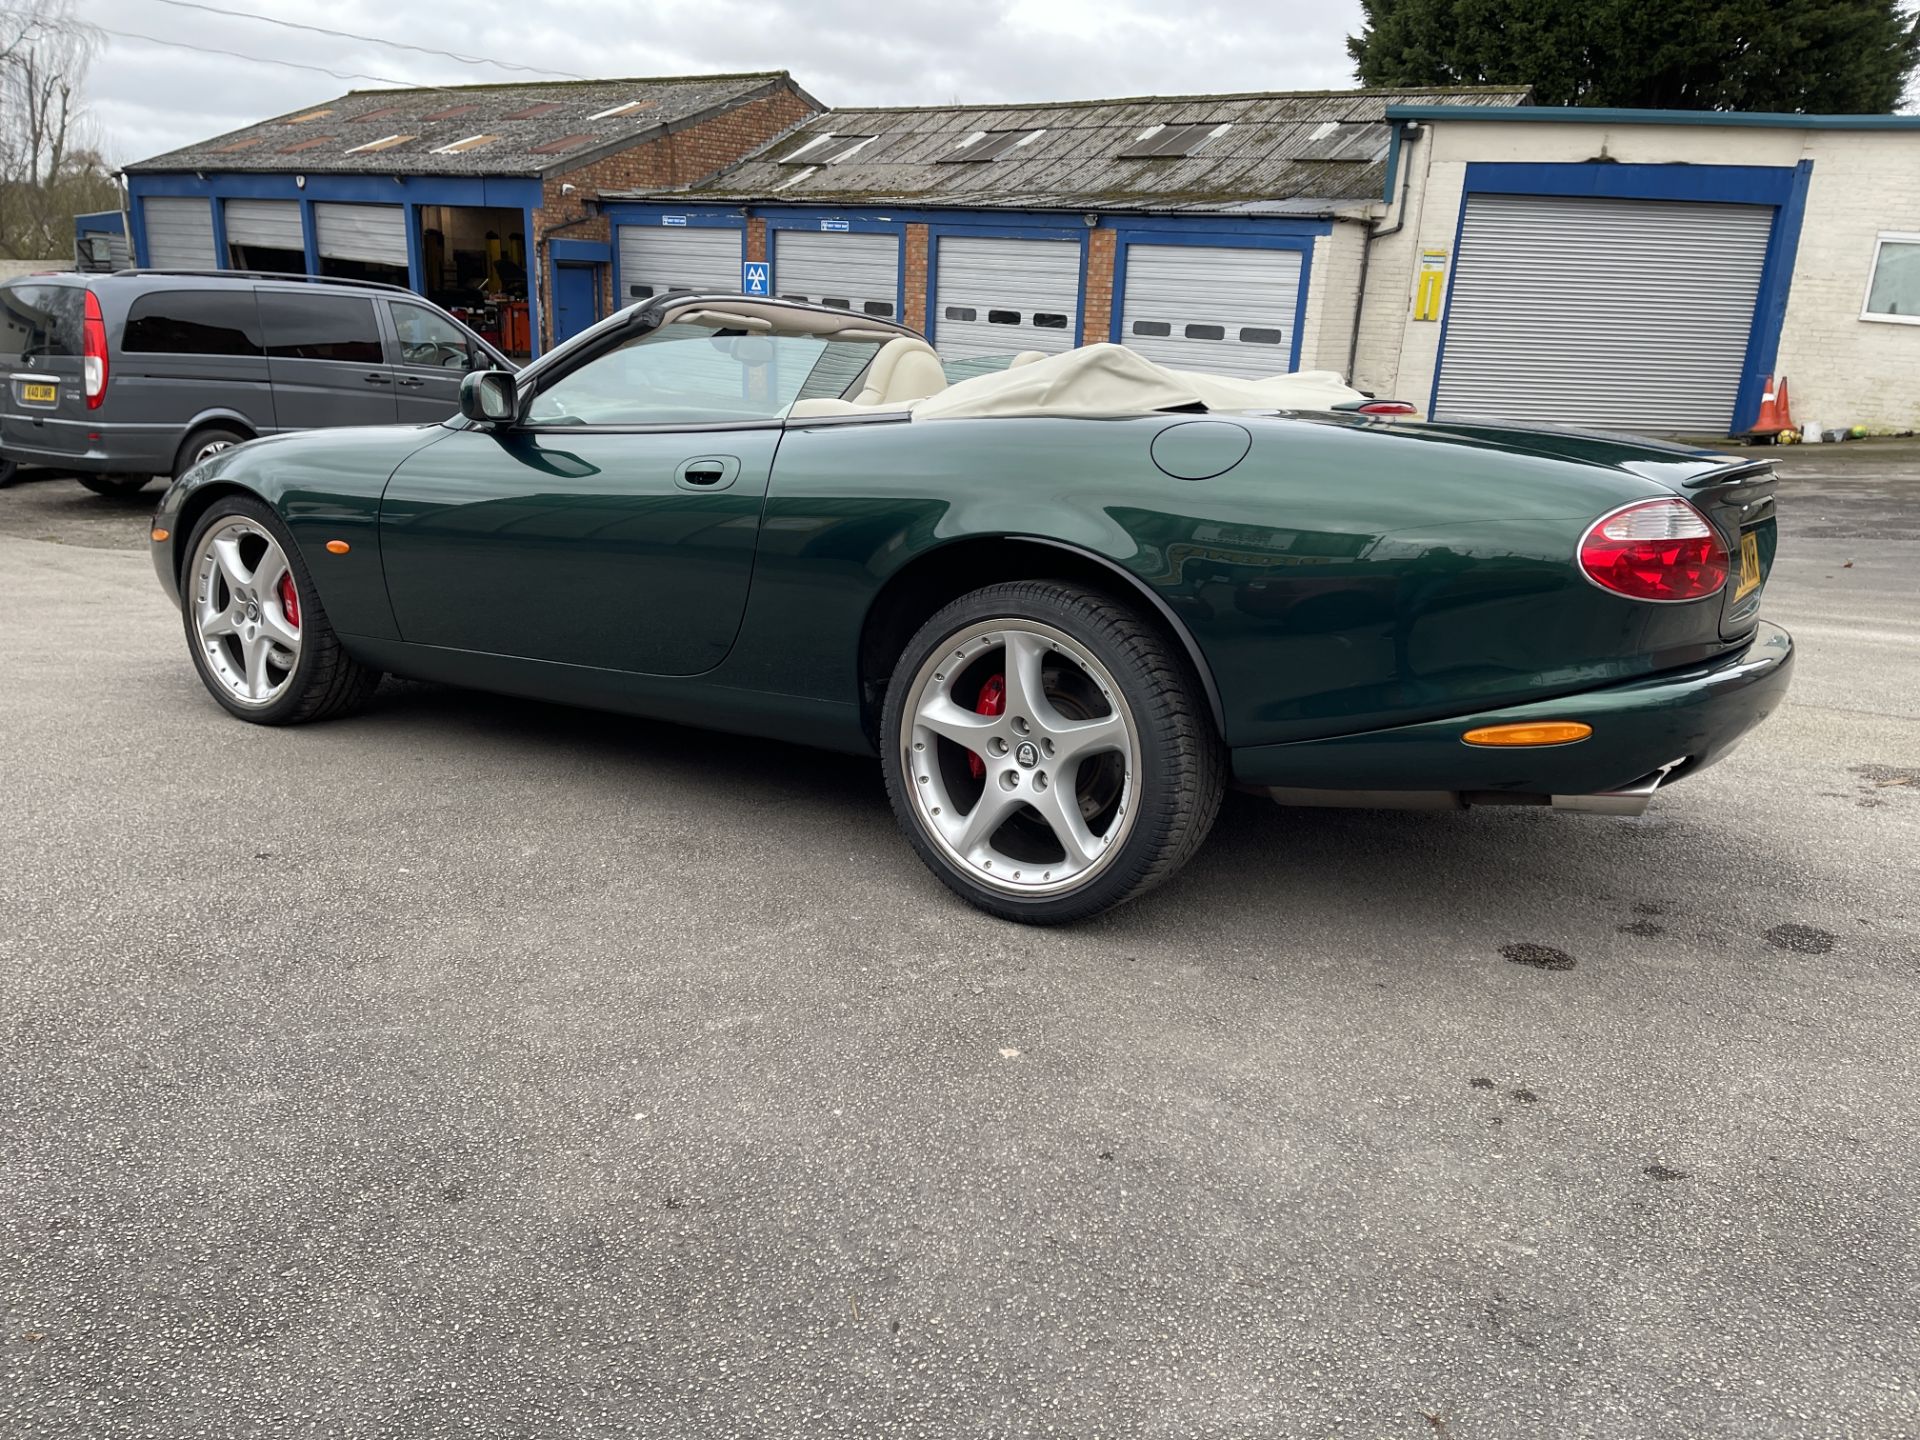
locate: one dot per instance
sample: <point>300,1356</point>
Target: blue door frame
<point>1781,188</point>
<point>409,192</point>
<point>1207,233</point>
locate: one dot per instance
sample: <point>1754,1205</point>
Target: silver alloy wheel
<point>249,642</point>
<point>210,449</point>
<point>1051,779</point>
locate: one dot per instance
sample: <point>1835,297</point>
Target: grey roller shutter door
<point>1228,311</point>
<point>1622,314</point>
<point>375,234</point>
<point>179,234</point>
<point>656,259</point>
<point>274,224</point>
<point>996,297</point>
<point>860,273</point>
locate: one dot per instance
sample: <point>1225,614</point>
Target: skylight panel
<point>827,149</point>
<point>460,147</point>
<point>385,142</point>
<point>1169,141</point>
<point>989,145</point>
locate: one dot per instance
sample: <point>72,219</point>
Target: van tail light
<point>94,351</point>
<point>1655,550</point>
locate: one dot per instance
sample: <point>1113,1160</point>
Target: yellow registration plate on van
<point>1749,565</point>
<point>36,394</point>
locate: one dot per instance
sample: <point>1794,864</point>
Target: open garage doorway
<point>474,265</point>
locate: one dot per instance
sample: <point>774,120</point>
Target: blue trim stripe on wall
<point>1779,187</point>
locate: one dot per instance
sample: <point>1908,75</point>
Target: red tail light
<point>1385,407</point>
<point>1655,550</point>
<point>94,351</point>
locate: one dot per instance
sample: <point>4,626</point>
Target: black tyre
<point>9,472</point>
<point>115,486</point>
<point>204,443</point>
<point>1048,751</point>
<point>255,626</point>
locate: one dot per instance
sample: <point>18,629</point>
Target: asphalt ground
<point>482,1068</point>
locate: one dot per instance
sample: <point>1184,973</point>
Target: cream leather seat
<point>902,370</point>
<point>1026,357</point>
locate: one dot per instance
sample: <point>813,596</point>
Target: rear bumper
<point>93,448</point>
<point>1687,719</point>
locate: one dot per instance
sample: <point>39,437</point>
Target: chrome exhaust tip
<point>1627,800</point>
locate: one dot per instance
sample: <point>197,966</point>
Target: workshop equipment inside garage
<point>474,264</point>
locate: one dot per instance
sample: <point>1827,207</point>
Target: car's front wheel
<point>256,628</point>
<point>1048,752</point>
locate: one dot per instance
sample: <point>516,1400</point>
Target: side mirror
<point>489,396</point>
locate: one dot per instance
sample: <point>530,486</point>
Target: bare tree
<point>48,169</point>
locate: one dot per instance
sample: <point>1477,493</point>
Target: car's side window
<point>428,338</point>
<point>193,322</point>
<point>699,374</point>
<point>320,327</point>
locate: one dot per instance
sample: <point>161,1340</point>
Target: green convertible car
<point>1067,602</point>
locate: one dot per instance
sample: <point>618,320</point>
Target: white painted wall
<point>1842,370</point>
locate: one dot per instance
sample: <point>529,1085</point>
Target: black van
<point>121,377</point>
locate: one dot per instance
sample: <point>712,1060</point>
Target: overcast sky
<point>147,98</point>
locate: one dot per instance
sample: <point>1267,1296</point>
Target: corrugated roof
<point>1281,153</point>
<point>527,123</point>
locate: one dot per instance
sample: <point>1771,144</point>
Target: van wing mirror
<point>489,397</point>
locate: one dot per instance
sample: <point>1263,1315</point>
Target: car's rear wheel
<point>9,472</point>
<point>204,445</point>
<point>1048,752</point>
<point>115,486</point>
<point>255,627</point>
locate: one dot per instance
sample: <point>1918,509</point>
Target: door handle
<point>413,382</point>
<point>707,472</point>
<point>377,379</point>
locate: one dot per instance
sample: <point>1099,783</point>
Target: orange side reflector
<point>338,547</point>
<point>1537,732</point>
<point>159,535</point>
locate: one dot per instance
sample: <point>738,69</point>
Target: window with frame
<point>685,374</point>
<point>42,321</point>
<point>320,327</point>
<point>1893,284</point>
<point>428,338</point>
<point>193,322</point>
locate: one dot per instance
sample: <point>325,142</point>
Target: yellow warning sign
<point>1431,285</point>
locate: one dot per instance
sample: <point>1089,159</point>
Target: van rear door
<point>43,408</point>
<point>325,359</point>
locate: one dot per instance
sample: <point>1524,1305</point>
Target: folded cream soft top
<point>1113,380</point>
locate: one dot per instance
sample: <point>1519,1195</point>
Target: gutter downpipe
<point>1409,135</point>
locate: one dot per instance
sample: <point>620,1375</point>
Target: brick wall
<point>1097,302</point>
<point>756,238</point>
<point>678,159</point>
<point>916,311</point>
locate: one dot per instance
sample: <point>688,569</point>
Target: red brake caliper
<point>993,700</point>
<point>290,600</point>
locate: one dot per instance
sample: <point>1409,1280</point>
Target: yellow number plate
<point>44,394</point>
<point>1749,566</point>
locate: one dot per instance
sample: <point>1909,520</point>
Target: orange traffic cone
<point>1776,414</point>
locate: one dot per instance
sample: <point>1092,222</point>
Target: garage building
<point>1222,231</point>
<point>1648,270</point>
<point>479,197</point>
